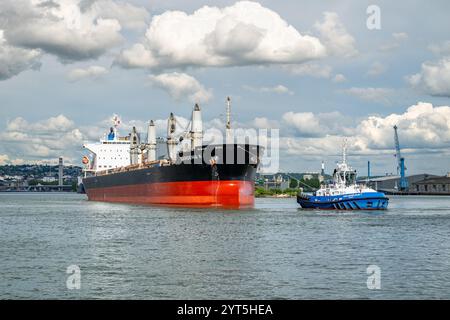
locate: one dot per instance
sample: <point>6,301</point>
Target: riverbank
<point>281,196</point>
<point>275,193</point>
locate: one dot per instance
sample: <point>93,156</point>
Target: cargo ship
<point>188,173</point>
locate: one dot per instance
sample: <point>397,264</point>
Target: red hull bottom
<point>228,194</point>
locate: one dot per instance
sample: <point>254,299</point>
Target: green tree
<point>293,183</point>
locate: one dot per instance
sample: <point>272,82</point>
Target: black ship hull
<point>218,175</point>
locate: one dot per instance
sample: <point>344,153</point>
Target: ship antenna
<point>228,124</point>
<point>116,120</point>
<point>344,151</point>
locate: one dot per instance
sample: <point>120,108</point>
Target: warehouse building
<point>391,183</point>
<point>434,185</point>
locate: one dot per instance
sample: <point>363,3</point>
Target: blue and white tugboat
<point>343,193</point>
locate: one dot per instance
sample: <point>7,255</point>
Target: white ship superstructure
<point>344,180</point>
<point>111,152</point>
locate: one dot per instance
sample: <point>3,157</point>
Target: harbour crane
<point>400,163</point>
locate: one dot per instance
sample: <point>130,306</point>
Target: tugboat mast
<point>344,151</point>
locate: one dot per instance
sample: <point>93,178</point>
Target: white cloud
<point>264,123</point>
<point>397,39</point>
<point>310,146</point>
<point>420,126</point>
<point>424,135</point>
<point>442,48</point>
<point>305,123</point>
<point>308,124</point>
<point>245,33</point>
<point>339,78</point>
<point>65,29</point>
<point>279,89</point>
<point>182,86</point>
<point>310,69</point>
<point>92,72</point>
<point>335,36</point>
<point>400,36</point>
<point>376,69</point>
<point>128,15</point>
<point>4,159</point>
<point>14,60</point>
<point>53,124</point>
<point>44,139</point>
<point>380,95</point>
<point>434,78</point>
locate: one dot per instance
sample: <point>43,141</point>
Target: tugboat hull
<point>365,201</point>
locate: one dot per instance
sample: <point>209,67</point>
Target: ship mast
<point>228,124</point>
<point>134,147</point>
<point>344,167</point>
<point>196,128</point>
<point>116,123</point>
<point>171,139</point>
<point>344,151</point>
<point>151,141</point>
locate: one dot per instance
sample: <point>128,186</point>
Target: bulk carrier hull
<point>211,176</point>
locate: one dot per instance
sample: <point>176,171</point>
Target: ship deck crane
<point>400,163</point>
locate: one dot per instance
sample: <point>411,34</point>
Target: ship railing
<point>303,196</point>
<point>133,167</point>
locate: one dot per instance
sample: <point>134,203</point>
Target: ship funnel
<point>196,128</point>
<point>171,139</point>
<point>151,142</point>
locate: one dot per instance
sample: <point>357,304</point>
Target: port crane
<point>400,163</point>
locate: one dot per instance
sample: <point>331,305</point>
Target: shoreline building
<point>391,183</point>
<point>433,186</point>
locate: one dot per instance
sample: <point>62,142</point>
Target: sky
<point>318,71</point>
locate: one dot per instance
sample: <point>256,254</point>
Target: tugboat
<point>344,193</point>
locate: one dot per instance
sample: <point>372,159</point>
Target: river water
<point>275,251</point>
